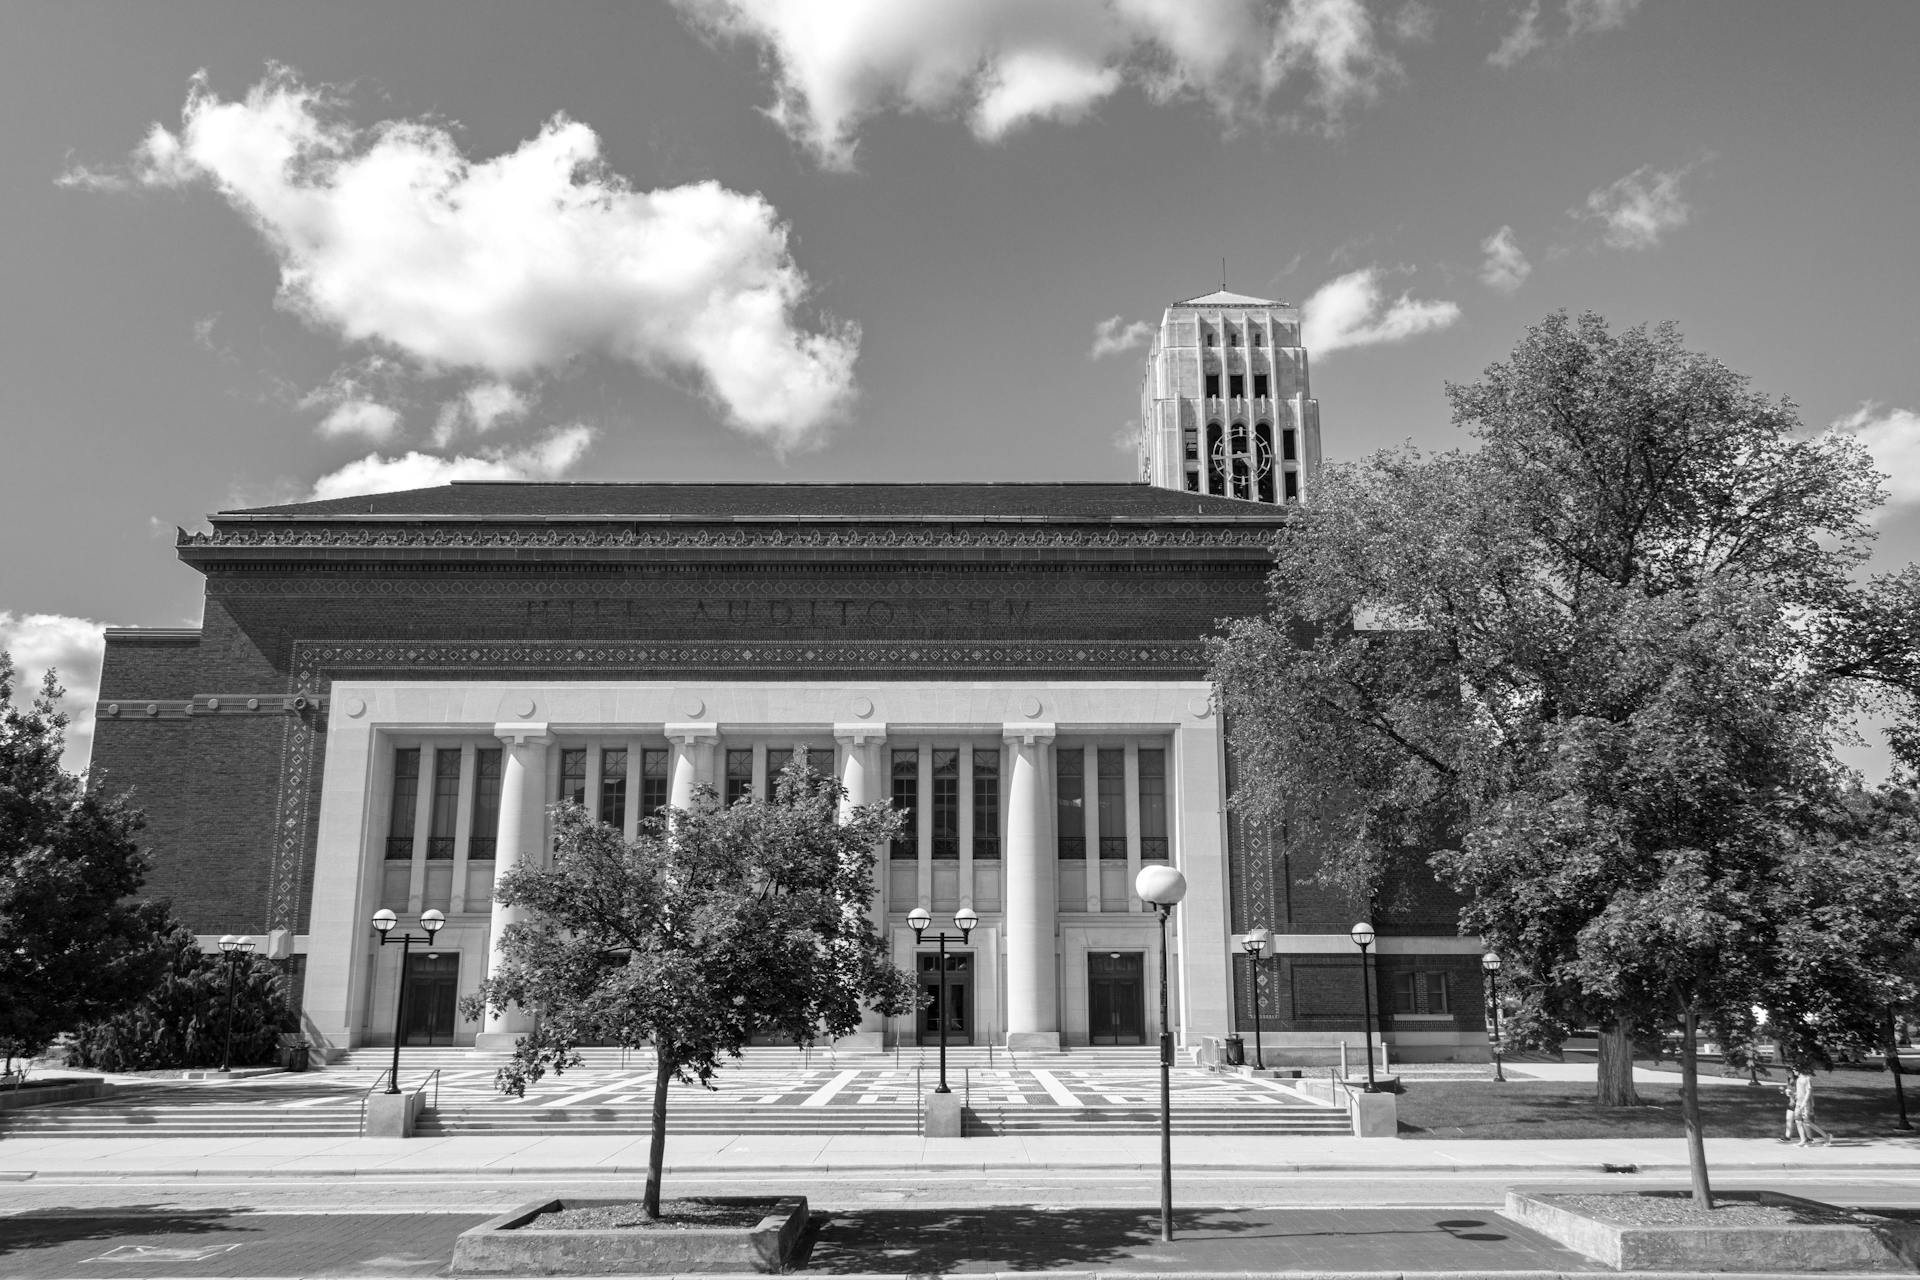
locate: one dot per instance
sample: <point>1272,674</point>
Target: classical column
<point>863,780</point>
<point>692,760</point>
<point>523,778</point>
<point>1032,1008</point>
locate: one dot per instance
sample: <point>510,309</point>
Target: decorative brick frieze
<point>796,659</point>
<point>1199,534</point>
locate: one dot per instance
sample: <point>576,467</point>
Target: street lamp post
<point>1895,1069</point>
<point>1490,963</point>
<point>384,920</point>
<point>964,919</point>
<point>1255,945</point>
<point>1161,887</point>
<point>234,947</point>
<point>1362,935</point>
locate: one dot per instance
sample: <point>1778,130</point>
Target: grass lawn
<point>1848,1103</point>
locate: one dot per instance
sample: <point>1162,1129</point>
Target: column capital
<point>693,733</point>
<point>1029,734</point>
<point>859,735</point>
<point>522,732</point>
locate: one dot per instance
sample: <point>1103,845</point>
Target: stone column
<point>865,784</point>
<point>692,760</point>
<point>1033,1020</point>
<point>523,779</point>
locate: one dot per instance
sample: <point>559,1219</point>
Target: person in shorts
<point>1803,1121</point>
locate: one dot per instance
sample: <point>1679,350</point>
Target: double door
<point>1116,997</point>
<point>432,988</point>
<point>955,1007</point>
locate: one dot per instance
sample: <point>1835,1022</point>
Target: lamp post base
<point>943,1116</point>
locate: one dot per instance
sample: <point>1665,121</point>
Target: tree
<point>181,1020</point>
<point>73,943</point>
<point>1589,672</point>
<point>715,925</point>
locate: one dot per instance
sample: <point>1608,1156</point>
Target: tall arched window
<point>1263,459</point>
<point>1216,460</point>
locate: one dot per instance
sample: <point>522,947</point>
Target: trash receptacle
<point>1236,1051</point>
<point>293,1053</point>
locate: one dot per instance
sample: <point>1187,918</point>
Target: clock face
<point>1240,452</point>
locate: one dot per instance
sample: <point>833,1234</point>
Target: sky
<point>259,252</point>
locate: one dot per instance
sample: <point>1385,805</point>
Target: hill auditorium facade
<point>387,692</point>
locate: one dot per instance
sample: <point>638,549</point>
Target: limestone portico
<point>1024,975</point>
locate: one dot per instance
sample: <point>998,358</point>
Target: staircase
<point>1283,1120</point>
<point>494,1120</point>
<point>234,1110</point>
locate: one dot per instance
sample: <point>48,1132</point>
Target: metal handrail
<point>919,1105</point>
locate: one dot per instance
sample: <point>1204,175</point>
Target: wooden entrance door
<point>1116,997</point>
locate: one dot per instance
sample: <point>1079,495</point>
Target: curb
<point>1169,1273</point>
<point>458,1171</point>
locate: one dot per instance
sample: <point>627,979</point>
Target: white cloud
<point>1892,436</point>
<point>489,403</point>
<point>73,647</point>
<point>1523,39</point>
<point>1505,267</point>
<point>1598,15</point>
<point>1526,36</point>
<point>546,459</point>
<point>1114,335</point>
<point>1637,211</point>
<point>515,266</point>
<point>360,418</point>
<point>1004,64</point>
<point>1353,311</point>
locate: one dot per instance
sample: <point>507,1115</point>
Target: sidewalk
<point>482,1156</point>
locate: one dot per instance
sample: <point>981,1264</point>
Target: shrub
<point>182,1020</point>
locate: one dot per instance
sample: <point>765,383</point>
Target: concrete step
<point>510,1121</point>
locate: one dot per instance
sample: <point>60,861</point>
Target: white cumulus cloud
<point>510,267</point>
<point>1353,310</point>
<point>1505,266</point>
<point>360,418</point>
<point>73,648</point>
<point>1006,64</point>
<point>1637,211</point>
<point>547,459</point>
<point>1114,335</point>
<point>1892,436</point>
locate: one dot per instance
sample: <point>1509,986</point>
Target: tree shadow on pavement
<point>1006,1238</point>
<point>52,1228</point>
<point>1033,1238</point>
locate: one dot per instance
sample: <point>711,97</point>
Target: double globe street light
<point>1255,945</point>
<point>384,920</point>
<point>965,920</point>
<point>234,947</point>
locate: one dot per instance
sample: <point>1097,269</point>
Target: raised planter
<point>1821,1238</point>
<point>507,1245</point>
<point>46,1095</point>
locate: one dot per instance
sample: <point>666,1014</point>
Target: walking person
<point>1803,1110</point>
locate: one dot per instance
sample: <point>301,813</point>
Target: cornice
<point>1195,533</point>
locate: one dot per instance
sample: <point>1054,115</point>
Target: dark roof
<point>485,500</point>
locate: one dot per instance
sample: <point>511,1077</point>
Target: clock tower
<point>1225,405</point>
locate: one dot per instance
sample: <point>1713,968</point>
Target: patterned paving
<point>794,1097</point>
